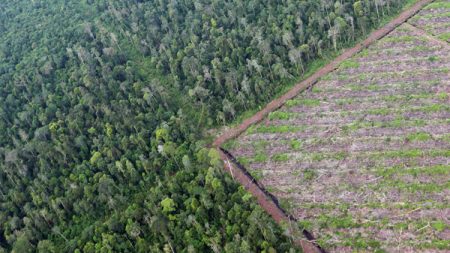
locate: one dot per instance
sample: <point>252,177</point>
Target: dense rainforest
<point>105,105</point>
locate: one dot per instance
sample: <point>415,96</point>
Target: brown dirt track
<point>269,203</point>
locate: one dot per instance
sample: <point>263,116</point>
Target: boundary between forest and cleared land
<point>267,201</point>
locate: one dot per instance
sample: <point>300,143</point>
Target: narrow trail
<point>268,202</point>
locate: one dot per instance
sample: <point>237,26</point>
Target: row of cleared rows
<point>362,159</point>
<point>435,19</point>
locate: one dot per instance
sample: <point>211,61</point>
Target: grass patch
<point>411,187</point>
<point>436,153</point>
<point>417,171</point>
<point>418,187</point>
<point>399,39</point>
<point>396,123</point>
<point>433,58</point>
<point>344,101</point>
<point>439,225</point>
<point>412,153</point>
<point>379,111</point>
<point>244,161</point>
<point>316,157</point>
<point>444,36</point>
<point>316,89</point>
<point>279,115</point>
<point>277,129</point>
<point>419,49</point>
<point>256,174</point>
<point>438,5</point>
<point>419,136</point>
<point>347,64</point>
<point>417,96</point>
<point>400,121</point>
<point>439,244</point>
<point>286,204</point>
<point>364,53</point>
<point>442,96</point>
<point>231,144</point>
<point>260,145</point>
<point>303,102</point>
<point>345,222</point>
<point>309,174</point>
<point>260,158</point>
<point>446,138</point>
<point>280,157</point>
<point>358,87</point>
<point>434,108</point>
<point>305,224</point>
<point>364,243</point>
<point>296,144</point>
<point>430,16</point>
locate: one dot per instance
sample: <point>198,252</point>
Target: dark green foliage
<point>102,105</point>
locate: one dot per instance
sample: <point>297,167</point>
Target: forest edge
<point>268,202</point>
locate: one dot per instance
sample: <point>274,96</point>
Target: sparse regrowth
<point>362,159</point>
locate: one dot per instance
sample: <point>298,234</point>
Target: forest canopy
<point>104,106</point>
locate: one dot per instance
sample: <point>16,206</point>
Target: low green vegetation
<point>349,64</point>
<point>303,102</point>
<point>260,157</point>
<point>444,36</point>
<point>443,96</point>
<point>257,174</point>
<point>379,111</point>
<point>439,244</point>
<point>296,144</point>
<point>320,156</point>
<point>415,171</point>
<point>440,225</point>
<point>446,137</point>
<point>230,144</point>
<point>411,153</point>
<point>276,129</point>
<point>420,136</point>
<point>438,5</point>
<point>412,187</point>
<point>280,157</point>
<point>356,87</point>
<point>433,58</point>
<point>396,123</point>
<point>337,222</point>
<point>279,115</point>
<point>434,108</point>
<point>398,39</point>
<point>309,174</point>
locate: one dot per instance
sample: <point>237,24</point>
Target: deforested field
<point>435,19</point>
<point>363,158</point>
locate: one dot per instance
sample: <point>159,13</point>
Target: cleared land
<point>435,19</point>
<point>363,158</point>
